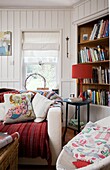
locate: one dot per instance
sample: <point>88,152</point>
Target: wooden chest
<point>9,156</point>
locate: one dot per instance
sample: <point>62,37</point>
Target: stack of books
<point>93,54</point>
<point>100,29</point>
<point>99,97</point>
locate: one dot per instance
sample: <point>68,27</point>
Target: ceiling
<point>36,3</point>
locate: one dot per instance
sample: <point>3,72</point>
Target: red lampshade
<point>81,71</point>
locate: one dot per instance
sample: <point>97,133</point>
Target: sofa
<point>64,161</point>
<point>54,125</point>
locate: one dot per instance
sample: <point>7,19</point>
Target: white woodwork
<point>87,8</point>
<point>16,39</point>
<point>106,3</point>
<point>42,19</point>
<point>10,84</point>
<point>29,19</point>
<point>66,61</point>
<point>94,6</point>
<point>75,14</point>
<point>4,58</point>
<point>54,18</point>
<point>48,19</point>
<point>10,58</point>
<point>35,19</point>
<point>81,11</point>
<point>100,4</point>
<point>23,19</point>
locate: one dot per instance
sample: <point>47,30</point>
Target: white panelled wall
<point>31,19</point>
<point>67,20</point>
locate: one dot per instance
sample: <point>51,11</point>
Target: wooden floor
<point>69,136</point>
<point>32,167</point>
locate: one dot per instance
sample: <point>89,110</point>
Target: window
<point>41,55</point>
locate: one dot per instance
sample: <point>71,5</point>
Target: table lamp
<point>81,71</point>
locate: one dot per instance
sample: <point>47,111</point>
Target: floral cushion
<point>18,108</point>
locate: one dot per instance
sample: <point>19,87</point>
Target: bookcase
<point>93,48</point>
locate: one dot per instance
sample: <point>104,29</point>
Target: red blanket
<point>33,140</point>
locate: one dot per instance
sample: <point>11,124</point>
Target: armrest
<point>2,111</point>
<point>55,132</point>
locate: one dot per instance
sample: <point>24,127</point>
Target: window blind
<point>41,41</point>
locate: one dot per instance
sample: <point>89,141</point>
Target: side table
<point>78,104</point>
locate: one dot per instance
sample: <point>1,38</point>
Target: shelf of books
<point>93,48</point>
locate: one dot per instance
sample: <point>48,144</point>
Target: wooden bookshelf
<point>95,51</point>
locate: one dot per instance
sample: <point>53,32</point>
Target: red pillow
<point>80,164</point>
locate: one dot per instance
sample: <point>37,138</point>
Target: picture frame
<point>85,36</point>
<point>6,43</point>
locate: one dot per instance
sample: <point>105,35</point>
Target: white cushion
<point>2,111</point>
<point>40,106</point>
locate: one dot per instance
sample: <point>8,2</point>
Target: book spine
<point>108,98</point>
<point>101,24</point>
<point>104,33</point>
<point>103,28</point>
<point>92,32</point>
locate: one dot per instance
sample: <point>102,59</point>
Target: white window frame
<point>59,59</point>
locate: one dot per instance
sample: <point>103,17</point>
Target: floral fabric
<point>18,108</point>
<point>91,145</point>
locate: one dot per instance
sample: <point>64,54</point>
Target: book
<point>103,27</point>
<point>92,32</point>
<point>107,30</point>
<point>103,75</point>
<point>98,28</point>
<point>92,54</point>
<point>5,138</point>
<point>101,24</point>
<point>106,80</point>
<point>108,98</point>
<point>89,55</point>
<point>108,75</point>
<point>99,52</point>
<point>99,75</point>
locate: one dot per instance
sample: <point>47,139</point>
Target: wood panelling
<point>29,20</point>
<point>87,8</point>
<point>94,6</point>
<point>44,19</point>
<point>101,4</point>
<point>18,20</point>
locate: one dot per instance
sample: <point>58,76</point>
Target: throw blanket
<point>33,141</point>
<point>91,145</point>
